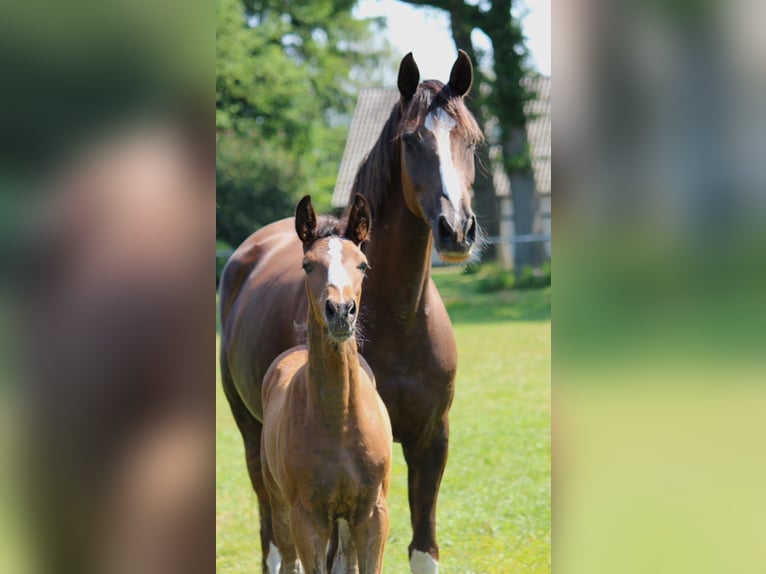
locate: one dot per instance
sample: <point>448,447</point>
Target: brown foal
<point>326,442</point>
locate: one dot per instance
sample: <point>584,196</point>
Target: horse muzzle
<point>455,242</point>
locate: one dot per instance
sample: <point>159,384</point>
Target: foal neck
<point>333,373</point>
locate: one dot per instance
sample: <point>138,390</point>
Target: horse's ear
<point>461,76</point>
<point>359,221</point>
<point>306,221</point>
<point>409,77</point>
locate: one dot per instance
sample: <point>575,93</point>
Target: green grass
<point>494,513</point>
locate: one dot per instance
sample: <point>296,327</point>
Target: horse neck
<point>400,258</point>
<point>333,372</point>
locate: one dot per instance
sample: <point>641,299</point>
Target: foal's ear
<point>461,76</point>
<point>409,77</point>
<point>359,221</point>
<point>306,221</point>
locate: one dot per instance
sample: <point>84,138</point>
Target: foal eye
<point>363,267</point>
<point>307,267</point>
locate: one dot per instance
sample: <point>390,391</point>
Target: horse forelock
<point>374,177</point>
<point>433,95</point>
<point>328,226</point>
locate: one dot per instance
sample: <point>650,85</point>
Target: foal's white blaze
<point>274,559</point>
<point>423,563</point>
<point>440,123</point>
<point>336,274</point>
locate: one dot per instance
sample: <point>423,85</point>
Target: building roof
<point>372,110</point>
<point>374,106</point>
<point>538,137</point>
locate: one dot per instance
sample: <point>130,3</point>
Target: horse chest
<point>338,482</point>
<point>413,355</point>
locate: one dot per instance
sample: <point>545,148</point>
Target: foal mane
<point>381,166</point>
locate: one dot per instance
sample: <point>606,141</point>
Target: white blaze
<point>336,274</point>
<point>422,563</point>
<point>274,559</point>
<point>440,123</point>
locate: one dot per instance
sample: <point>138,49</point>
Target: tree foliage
<point>283,103</point>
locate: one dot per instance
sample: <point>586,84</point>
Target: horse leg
<point>250,429</point>
<point>311,535</point>
<point>370,540</point>
<point>425,465</point>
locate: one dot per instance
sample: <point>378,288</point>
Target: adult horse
<point>417,180</point>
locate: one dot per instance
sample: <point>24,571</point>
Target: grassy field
<point>494,512</point>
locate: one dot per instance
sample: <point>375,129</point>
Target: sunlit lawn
<point>494,504</point>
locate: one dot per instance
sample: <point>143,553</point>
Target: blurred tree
<point>500,94</point>
<point>284,96</point>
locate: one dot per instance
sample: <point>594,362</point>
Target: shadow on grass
<point>532,305</point>
<point>466,304</point>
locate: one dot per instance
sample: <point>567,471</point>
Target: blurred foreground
<point>659,309</point>
<point>107,180</point>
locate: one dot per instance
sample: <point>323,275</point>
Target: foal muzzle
<point>341,318</point>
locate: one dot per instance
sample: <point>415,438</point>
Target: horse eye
<point>363,267</point>
<point>307,267</point>
<point>409,139</point>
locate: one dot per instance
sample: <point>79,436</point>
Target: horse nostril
<point>470,230</point>
<point>351,310</point>
<point>330,309</point>
<point>445,230</point>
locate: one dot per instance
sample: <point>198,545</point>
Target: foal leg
<point>288,559</point>
<point>425,466</point>
<point>370,539</point>
<point>311,535</point>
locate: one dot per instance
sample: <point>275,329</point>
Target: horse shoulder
<point>442,337</point>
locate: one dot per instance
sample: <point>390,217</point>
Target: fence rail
<point>532,238</point>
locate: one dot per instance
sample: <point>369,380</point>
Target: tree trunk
<point>508,99</point>
<point>525,201</point>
